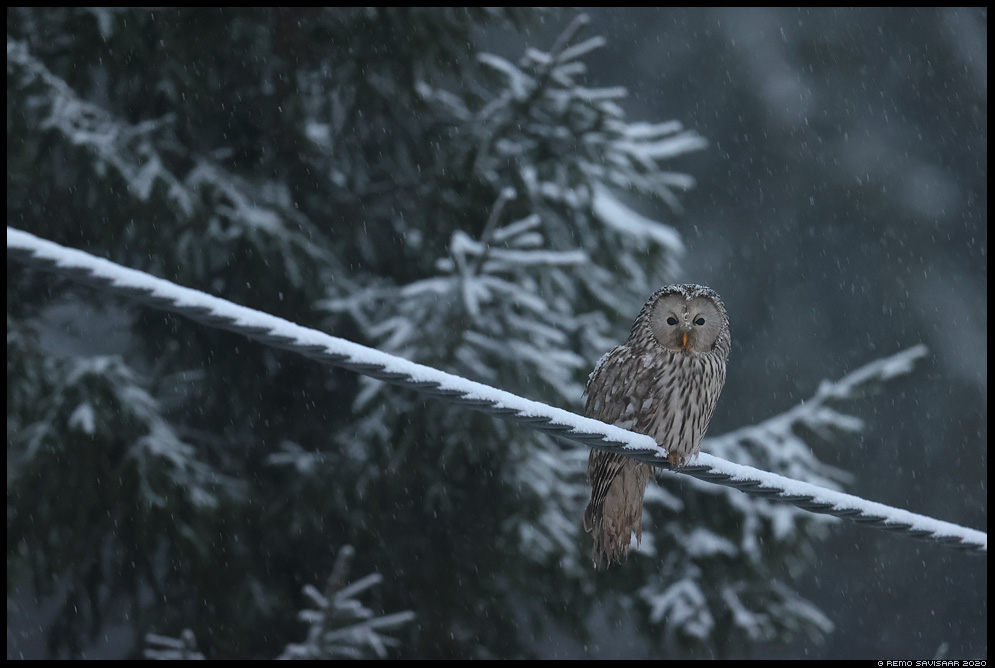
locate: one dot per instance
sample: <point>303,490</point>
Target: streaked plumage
<point>664,381</point>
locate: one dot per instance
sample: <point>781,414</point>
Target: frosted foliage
<point>132,475</point>
<point>681,605</point>
<point>565,148</point>
<point>342,627</point>
<point>114,145</point>
<point>496,295</point>
<point>166,648</point>
<point>97,395</point>
<point>339,625</point>
<point>243,214</point>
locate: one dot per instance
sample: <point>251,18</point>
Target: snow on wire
<point>273,331</point>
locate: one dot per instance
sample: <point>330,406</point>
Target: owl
<point>664,381</point>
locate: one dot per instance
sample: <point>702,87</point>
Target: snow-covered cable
<point>274,331</point>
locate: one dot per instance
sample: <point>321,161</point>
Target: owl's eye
<point>671,321</point>
<point>700,321</point>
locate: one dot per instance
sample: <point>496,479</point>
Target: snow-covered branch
<point>340,626</point>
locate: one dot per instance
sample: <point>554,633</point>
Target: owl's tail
<point>615,511</point>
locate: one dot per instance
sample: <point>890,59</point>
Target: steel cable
<point>326,349</point>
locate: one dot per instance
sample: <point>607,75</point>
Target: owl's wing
<point>611,391</point>
<point>610,386</point>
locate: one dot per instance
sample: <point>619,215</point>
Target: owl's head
<point>686,318</point>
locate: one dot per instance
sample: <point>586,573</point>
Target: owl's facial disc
<point>689,326</point>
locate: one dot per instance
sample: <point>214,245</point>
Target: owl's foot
<point>675,460</point>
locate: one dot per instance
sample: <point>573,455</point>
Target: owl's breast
<point>679,405</point>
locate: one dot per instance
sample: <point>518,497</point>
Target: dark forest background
<point>371,174</point>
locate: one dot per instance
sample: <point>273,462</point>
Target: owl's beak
<point>684,340</point>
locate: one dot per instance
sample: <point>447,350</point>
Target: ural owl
<point>664,382</point>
